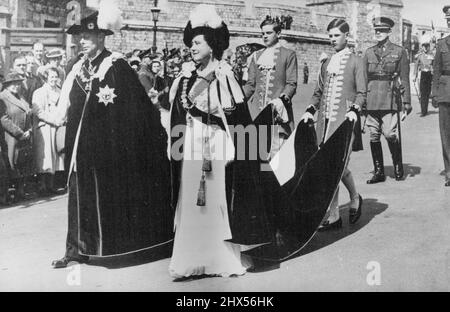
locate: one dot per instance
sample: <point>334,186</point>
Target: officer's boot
<point>396,152</point>
<point>378,164</point>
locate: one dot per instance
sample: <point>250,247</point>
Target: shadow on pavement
<point>371,208</point>
<point>33,200</point>
<point>410,171</point>
<point>134,259</point>
<point>429,113</point>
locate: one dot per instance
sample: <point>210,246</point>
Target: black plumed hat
<point>204,20</point>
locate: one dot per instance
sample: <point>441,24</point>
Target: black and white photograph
<point>224,146</point>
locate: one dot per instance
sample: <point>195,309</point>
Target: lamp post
<point>155,14</point>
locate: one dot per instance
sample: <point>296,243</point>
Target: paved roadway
<point>402,242</point>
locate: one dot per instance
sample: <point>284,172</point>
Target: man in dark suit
<point>441,93</point>
<point>388,94</point>
<point>22,66</point>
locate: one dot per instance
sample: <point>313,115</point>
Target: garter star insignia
<point>106,95</point>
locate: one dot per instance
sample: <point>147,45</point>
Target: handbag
<point>60,139</point>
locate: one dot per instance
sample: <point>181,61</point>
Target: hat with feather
<point>105,20</point>
<point>204,20</point>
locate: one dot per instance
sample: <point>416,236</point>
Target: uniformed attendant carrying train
<point>388,94</point>
<point>441,93</point>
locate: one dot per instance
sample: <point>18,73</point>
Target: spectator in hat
<point>135,63</point>
<point>148,76</point>
<point>16,121</point>
<point>54,58</point>
<point>23,66</point>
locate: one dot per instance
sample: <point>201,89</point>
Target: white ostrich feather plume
<point>205,15</point>
<point>109,15</point>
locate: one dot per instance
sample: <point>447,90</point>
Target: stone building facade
<point>307,35</point>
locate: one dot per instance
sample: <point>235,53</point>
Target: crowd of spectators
<point>30,121</point>
<point>32,125</point>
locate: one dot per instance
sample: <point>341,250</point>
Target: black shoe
<point>447,183</point>
<point>355,214</point>
<point>377,178</point>
<point>66,261</point>
<point>423,115</point>
<point>327,226</point>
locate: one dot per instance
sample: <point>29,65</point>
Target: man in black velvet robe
<point>116,151</point>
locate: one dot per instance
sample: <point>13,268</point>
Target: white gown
<point>200,232</point>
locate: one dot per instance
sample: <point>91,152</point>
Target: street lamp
<point>155,14</point>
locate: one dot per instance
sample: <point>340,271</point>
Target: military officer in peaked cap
<point>388,94</point>
<point>441,93</point>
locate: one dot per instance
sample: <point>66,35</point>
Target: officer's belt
<point>445,73</point>
<point>380,77</point>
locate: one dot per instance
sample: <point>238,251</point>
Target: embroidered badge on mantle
<point>106,95</point>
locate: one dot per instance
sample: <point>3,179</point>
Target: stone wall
<point>306,36</point>
<point>360,13</point>
<point>34,13</point>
